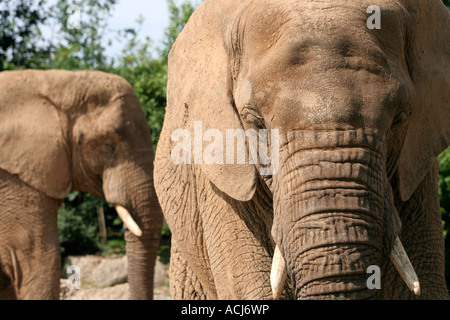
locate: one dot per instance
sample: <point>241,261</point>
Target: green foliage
<point>115,246</point>
<point>83,47</point>
<point>444,199</point>
<point>444,189</point>
<point>78,226</point>
<point>76,235</point>
<point>147,73</point>
<point>148,76</point>
<point>20,35</point>
<point>78,223</point>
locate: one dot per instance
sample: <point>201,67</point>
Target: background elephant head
<point>85,130</point>
<point>362,115</point>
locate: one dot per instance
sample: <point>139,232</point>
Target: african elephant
<point>63,130</point>
<point>356,117</point>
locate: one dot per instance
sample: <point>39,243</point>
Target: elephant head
<point>85,130</point>
<point>361,114</point>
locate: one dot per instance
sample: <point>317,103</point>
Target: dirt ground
<point>105,279</point>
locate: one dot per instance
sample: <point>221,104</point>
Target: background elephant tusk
<point>128,221</point>
<point>403,265</point>
<point>278,274</point>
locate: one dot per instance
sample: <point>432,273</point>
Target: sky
<point>126,12</point>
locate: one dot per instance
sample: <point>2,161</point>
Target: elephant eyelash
<point>401,117</point>
<point>110,145</point>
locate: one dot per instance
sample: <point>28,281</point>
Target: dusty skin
<point>363,115</point>
<point>62,130</point>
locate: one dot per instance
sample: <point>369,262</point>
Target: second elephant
<point>63,130</point>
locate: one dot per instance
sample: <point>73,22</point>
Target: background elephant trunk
<point>130,184</point>
<point>142,251</point>
<point>329,225</point>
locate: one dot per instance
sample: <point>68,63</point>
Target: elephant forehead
<point>302,24</point>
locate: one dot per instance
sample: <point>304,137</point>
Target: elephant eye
<point>252,117</point>
<point>401,117</point>
<point>110,145</point>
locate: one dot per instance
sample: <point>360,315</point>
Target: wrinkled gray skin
<point>62,130</point>
<point>362,116</point>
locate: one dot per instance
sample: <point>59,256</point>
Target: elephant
<point>71,130</point>
<point>345,205</point>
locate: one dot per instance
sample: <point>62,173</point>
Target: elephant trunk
<point>329,214</point>
<point>143,250</point>
<point>129,186</point>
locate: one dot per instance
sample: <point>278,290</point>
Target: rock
<point>103,279</point>
<point>111,272</point>
<point>118,292</point>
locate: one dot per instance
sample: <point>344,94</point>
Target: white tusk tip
<point>278,274</point>
<point>416,288</point>
<point>404,267</point>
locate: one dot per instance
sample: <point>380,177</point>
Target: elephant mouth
<point>334,216</point>
<point>398,256</point>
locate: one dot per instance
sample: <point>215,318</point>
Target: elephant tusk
<point>398,256</point>
<point>403,265</point>
<point>278,274</point>
<point>128,221</point>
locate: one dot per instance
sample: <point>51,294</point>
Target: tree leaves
<point>444,189</point>
<point>20,45</point>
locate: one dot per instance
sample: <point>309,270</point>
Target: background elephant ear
<point>199,89</point>
<point>429,127</point>
<point>32,142</point>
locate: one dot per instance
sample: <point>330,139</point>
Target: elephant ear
<point>32,142</point>
<point>199,95</point>
<point>428,131</point>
